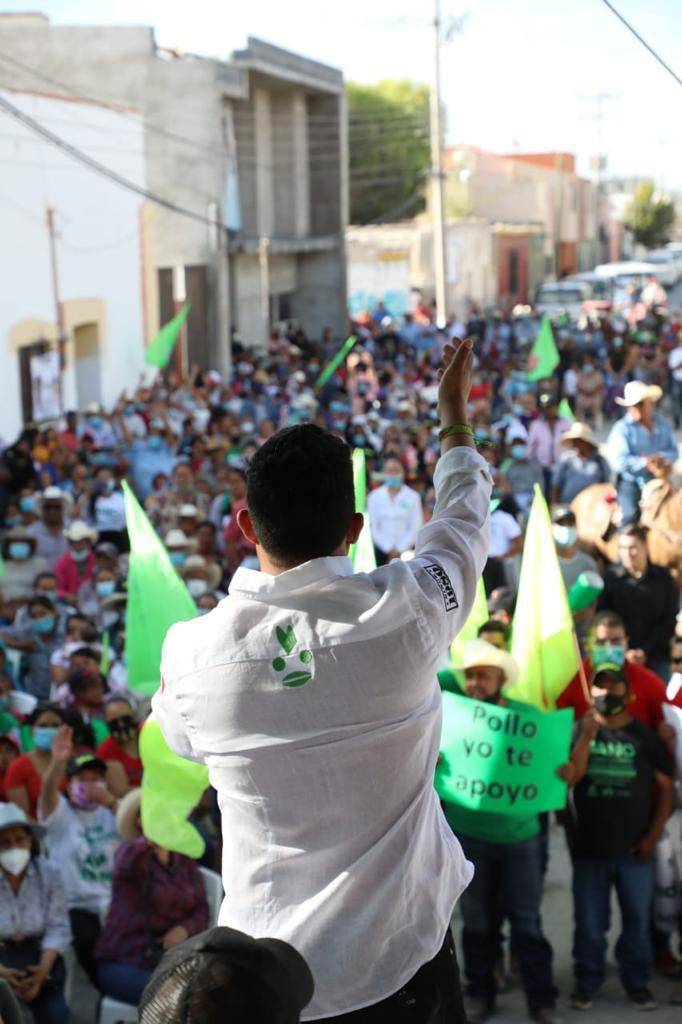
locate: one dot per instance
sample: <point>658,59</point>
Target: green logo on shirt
<point>287,641</point>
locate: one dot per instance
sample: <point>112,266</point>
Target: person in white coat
<point>310,693</point>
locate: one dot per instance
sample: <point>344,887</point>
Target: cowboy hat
<point>53,494</point>
<point>177,539</point>
<point>80,531</point>
<point>580,432</point>
<point>211,571</point>
<point>637,391</point>
<point>126,816</point>
<point>479,652</point>
<point>11,815</point>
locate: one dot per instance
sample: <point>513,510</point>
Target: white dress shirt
<point>395,518</point>
<point>334,840</point>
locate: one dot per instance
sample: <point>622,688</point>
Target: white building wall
<point>99,253</point>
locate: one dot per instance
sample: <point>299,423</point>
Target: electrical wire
<point>643,41</point>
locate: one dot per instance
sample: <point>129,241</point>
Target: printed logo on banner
<point>441,578</point>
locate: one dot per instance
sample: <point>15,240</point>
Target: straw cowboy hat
<point>80,531</point>
<point>210,570</point>
<point>580,432</point>
<point>478,653</point>
<point>637,391</point>
<point>126,816</point>
<point>53,494</point>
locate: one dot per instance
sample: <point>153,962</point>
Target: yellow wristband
<point>456,428</point>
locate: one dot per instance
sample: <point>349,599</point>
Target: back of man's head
<point>300,494</point>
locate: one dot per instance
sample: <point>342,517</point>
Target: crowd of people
<point>75,867</point>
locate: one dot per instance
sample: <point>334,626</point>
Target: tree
<point>650,216</point>
<point>388,141</point>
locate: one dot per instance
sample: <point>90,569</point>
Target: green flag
<point>171,789</point>
<point>161,348</point>
<point>157,599</point>
<point>104,661</point>
<point>544,357</point>
<point>334,363</point>
<point>469,631</point>
<point>500,759</point>
<point>565,411</point>
<point>543,640</point>
<point>362,553</point>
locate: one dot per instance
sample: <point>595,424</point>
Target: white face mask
<point>565,536</point>
<point>197,587</point>
<point>15,860</point>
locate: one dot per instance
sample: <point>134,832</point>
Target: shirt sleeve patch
<point>442,580</point>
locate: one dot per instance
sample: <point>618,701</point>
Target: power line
<point>644,43</point>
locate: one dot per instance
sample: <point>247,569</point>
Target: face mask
<point>394,482</point>
<point>44,625</point>
<point>78,794</point>
<point>517,410</point>
<point>43,736</point>
<point>518,451</point>
<point>248,428</point>
<point>359,440</point>
<point>80,556</point>
<point>123,728</point>
<point>109,486</point>
<point>95,421</point>
<point>19,550</point>
<point>128,410</point>
<point>588,367</point>
<point>565,536</point>
<point>105,587</point>
<point>602,655</point>
<point>154,442</point>
<point>15,860</point>
<point>197,587</point>
<point>610,704</point>
<point>27,504</point>
<point>177,557</point>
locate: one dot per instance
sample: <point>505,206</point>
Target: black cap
<point>193,975</point>
<point>562,514</point>
<point>83,761</point>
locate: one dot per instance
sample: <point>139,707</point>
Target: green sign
<point>502,759</point>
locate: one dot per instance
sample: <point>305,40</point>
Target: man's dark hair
<point>633,530</point>
<point>611,620</point>
<point>42,602</point>
<point>496,626</point>
<point>300,493</point>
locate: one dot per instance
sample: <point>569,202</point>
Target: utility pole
<point>437,201</point>
<point>264,264</point>
<point>598,163</point>
<point>179,299</point>
<point>59,309</point>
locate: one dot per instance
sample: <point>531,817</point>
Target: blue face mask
<point>177,557</point>
<point>359,440</point>
<point>105,587</point>
<point>394,482</point>
<point>43,736</point>
<point>44,625</point>
<point>27,503</point>
<point>19,550</point>
<point>518,451</point>
<point>95,421</point>
<point>517,410</point>
<point>128,410</point>
<point>154,442</point>
<point>588,367</point>
<point>601,655</point>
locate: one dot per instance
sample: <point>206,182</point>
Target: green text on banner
<point>502,759</point>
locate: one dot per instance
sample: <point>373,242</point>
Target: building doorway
<point>87,364</point>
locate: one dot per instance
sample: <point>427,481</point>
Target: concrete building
<point>541,190</point>
<point>256,143</point>
<point>97,258</point>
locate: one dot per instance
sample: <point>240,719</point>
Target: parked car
<point>625,277</point>
<point>556,298</point>
<point>601,287</point>
<point>667,267</point>
<point>675,250</point>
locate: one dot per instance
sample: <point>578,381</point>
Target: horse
<point>597,517</point>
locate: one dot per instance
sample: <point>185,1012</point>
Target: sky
<point>518,75</point>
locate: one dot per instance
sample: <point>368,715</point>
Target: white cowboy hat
<point>479,652</point>
<point>637,391</point>
<point>53,494</point>
<point>580,432</point>
<point>11,815</point>
<point>188,512</point>
<point>177,539</point>
<point>80,531</point>
<point>210,570</point>
<point>126,815</point>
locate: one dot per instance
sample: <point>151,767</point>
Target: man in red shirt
<point>609,643</point>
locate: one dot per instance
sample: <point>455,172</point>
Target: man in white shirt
<point>311,695</point>
<point>395,514</point>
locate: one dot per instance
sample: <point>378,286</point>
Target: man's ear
<point>355,527</point>
<point>246,526</point>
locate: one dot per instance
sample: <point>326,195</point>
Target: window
<point>26,352</point>
<point>513,271</point>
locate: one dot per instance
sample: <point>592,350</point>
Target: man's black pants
<point>433,996</point>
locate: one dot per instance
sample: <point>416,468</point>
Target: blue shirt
<point>38,909</point>
<point>630,444</point>
<point>572,474</point>
<point>146,462</point>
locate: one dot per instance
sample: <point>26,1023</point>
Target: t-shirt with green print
<point>613,804</point>
<point>486,825</point>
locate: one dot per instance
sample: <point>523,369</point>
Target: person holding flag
<point>311,695</point>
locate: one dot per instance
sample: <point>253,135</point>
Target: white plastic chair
<point>113,1012</point>
<point>213,885</point>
